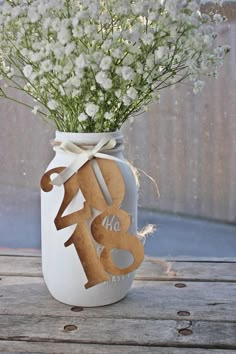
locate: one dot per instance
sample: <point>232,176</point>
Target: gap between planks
<point>137,332</point>
<point>37,253</point>
<point>63,348</point>
<point>168,348</point>
<point>151,270</point>
<point>155,300</point>
<point>182,279</point>
<point>140,278</point>
<point>39,317</point>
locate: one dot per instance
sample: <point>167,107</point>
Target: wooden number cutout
<point>97,269</point>
<point>80,238</point>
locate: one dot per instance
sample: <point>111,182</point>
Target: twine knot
<point>82,156</point>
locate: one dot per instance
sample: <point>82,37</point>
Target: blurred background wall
<point>187,143</point>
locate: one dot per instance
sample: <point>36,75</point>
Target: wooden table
<point>174,307</point>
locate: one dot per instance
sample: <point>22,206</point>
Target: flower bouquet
<point>89,66</point>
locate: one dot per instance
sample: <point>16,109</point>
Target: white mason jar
<point>62,269</point>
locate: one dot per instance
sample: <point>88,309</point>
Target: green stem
<point>22,103</point>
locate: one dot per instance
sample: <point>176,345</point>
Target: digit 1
<point>86,251</point>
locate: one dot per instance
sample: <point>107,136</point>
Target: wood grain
<point>165,316</point>
<point>30,266</point>
<point>155,269</point>
<point>151,269</point>
<point>217,335</point>
<point>146,300</point>
<point>61,348</point>
<point>26,252</point>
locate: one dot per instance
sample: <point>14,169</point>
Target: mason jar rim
<point>90,138</point>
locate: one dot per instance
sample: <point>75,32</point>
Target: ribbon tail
<point>70,170</point>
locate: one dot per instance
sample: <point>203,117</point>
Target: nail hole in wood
<point>70,328</point>
<point>180,285</point>
<point>77,309</point>
<point>185,332</point>
<point>183,313</point>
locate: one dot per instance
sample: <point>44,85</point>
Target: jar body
<point>62,269</point>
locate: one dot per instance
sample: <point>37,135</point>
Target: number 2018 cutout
<point>97,268</point>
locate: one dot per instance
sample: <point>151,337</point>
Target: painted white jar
<point>62,270</point>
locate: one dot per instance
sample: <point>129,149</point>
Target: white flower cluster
<point>94,63</point>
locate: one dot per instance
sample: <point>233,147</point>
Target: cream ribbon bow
<point>82,156</point>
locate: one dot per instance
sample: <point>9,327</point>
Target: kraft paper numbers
<point>97,268</point>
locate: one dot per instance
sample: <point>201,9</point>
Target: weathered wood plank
<point>146,300</point>
<point>24,252</point>
<point>195,271</point>
<point>151,269</point>
<point>62,348</point>
<point>16,265</point>
<point>214,335</point>
<point>19,252</point>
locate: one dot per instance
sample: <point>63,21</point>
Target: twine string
<point>85,153</point>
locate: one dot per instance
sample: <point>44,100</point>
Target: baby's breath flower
<point>82,117</point>
<point>118,93</point>
<point>159,53</point>
<point>79,73</point>
<point>70,48</point>
<point>103,80</point>
<point>91,109</point>
<point>33,15</point>
<point>91,64</point>
<point>108,115</point>
<point>64,35</point>
<point>117,53</point>
<point>147,38</point>
<point>52,104</point>
<point>106,44</point>
<point>27,70</point>
<point>132,93</point>
<point>106,63</point>
<point>127,73</point>
<point>46,66</point>
<point>81,61</point>
<point>126,100</point>
<point>35,109</point>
